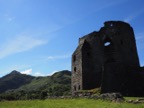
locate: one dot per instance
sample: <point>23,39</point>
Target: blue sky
<point>38,37</point>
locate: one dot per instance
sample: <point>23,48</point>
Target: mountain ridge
<point>58,84</point>
<point>14,80</point>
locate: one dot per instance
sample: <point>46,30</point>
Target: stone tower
<point>105,59</point>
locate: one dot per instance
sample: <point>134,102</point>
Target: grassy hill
<point>58,84</point>
<point>58,78</point>
<point>14,80</point>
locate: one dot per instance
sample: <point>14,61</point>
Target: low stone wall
<point>137,101</point>
<point>115,97</point>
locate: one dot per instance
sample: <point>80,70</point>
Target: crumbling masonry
<point>108,59</point>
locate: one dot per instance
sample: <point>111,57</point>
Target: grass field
<point>67,103</point>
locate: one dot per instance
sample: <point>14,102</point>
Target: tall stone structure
<point>108,59</point>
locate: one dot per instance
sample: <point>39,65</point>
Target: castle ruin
<point>108,59</point>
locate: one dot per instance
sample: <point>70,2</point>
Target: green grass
<point>67,103</point>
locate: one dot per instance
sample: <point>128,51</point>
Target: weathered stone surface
<point>138,101</point>
<point>115,97</point>
<point>108,59</point>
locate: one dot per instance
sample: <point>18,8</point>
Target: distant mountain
<point>19,86</point>
<point>59,78</point>
<point>14,80</point>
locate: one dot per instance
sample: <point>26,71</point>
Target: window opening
<point>107,43</point>
<point>111,24</point>
<point>74,69</point>
<point>74,88</point>
<point>74,58</point>
<point>79,87</point>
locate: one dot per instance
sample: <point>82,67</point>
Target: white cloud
<point>133,16</point>
<point>52,73</point>
<point>140,36</point>
<point>140,41</point>
<point>58,57</point>
<point>142,64</point>
<point>19,44</point>
<point>108,4</point>
<point>28,71</point>
<point>14,67</point>
<point>129,18</point>
<point>9,18</point>
<point>38,74</point>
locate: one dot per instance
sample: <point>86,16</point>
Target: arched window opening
<point>111,24</point>
<point>79,87</point>
<point>74,87</point>
<point>74,58</point>
<point>74,69</point>
<point>107,43</point>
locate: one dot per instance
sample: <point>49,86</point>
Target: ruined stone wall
<point>119,56</point>
<point>121,36</point>
<point>105,59</point>
<point>76,72</point>
<point>114,78</point>
<point>92,62</point>
<point>87,63</point>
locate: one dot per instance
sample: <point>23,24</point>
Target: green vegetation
<point>59,84</point>
<point>95,91</point>
<point>67,103</point>
<point>14,80</point>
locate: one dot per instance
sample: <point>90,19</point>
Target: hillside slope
<point>58,84</point>
<point>14,80</point>
<point>62,77</point>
